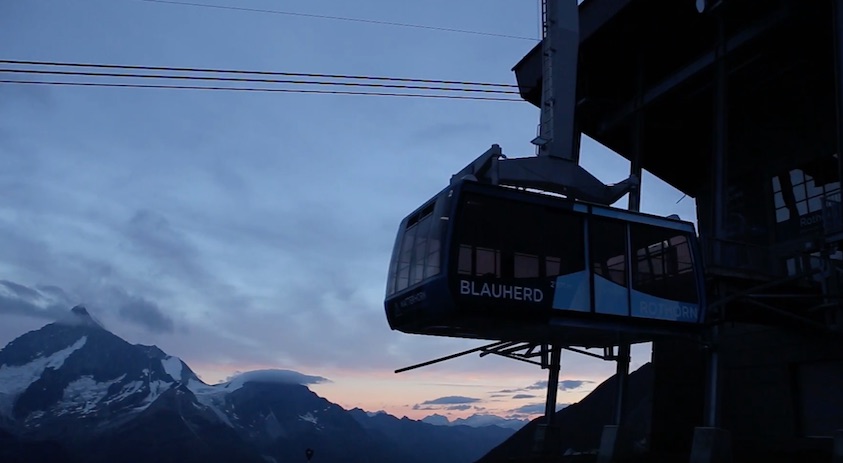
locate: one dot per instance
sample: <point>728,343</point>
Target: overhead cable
<point>338,18</point>
<point>251,80</point>
<point>241,71</point>
<point>256,89</point>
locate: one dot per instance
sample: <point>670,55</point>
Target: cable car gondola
<point>493,262</point>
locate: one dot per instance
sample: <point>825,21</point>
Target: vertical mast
<point>560,45</point>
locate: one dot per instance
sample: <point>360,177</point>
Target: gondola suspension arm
<point>556,167</point>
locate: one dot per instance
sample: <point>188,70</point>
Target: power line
<point>260,73</point>
<point>339,18</point>
<point>255,89</point>
<point>251,80</point>
<point>489,91</point>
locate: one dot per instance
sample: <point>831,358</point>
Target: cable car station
<point>735,103</point>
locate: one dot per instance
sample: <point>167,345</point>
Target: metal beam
<point>713,383</point>
<point>635,163</point>
<point>544,438</point>
<point>517,357</point>
<point>661,89</point>
<point>452,356</point>
<point>508,349</point>
<point>622,375</point>
<point>548,173</point>
<point>837,18</point>
<point>720,144</point>
<point>550,438</point>
<point>560,55</point>
<point>553,383</point>
<point>590,354</point>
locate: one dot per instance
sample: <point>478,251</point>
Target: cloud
<point>147,314</point>
<point>29,94</point>
<point>152,235</point>
<point>449,130</point>
<point>573,384</point>
<point>450,403</point>
<point>458,385</point>
<point>534,409</point>
<point>523,396</point>
<point>17,299</point>
<point>54,292</point>
<point>52,303</point>
<point>276,376</point>
<point>459,407</point>
<point>20,291</point>
<point>538,385</point>
<point>449,400</point>
<point>564,385</point>
<point>530,409</point>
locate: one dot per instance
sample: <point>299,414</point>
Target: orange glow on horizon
<point>405,394</point>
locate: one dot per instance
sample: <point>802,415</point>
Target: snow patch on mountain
<point>212,397</point>
<point>83,395</point>
<point>156,388</point>
<point>309,417</point>
<point>16,379</point>
<point>273,427</point>
<point>126,391</point>
<point>200,388</point>
<point>172,366</point>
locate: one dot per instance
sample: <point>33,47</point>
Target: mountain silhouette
<point>73,391</point>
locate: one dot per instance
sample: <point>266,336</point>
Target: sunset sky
<point>243,231</point>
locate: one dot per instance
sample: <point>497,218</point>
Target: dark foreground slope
<point>581,424</point>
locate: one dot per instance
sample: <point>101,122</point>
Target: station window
<point>807,196</point>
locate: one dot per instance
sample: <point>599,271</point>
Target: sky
<point>252,231</point>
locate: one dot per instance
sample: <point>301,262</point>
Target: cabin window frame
<point>515,244</point>
<point>420,261</point>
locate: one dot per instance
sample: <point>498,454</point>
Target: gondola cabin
<point>492,262</point>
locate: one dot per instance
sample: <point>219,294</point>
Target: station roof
<point>656,59</point>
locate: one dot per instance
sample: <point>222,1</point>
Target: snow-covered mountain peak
<point>81,311</point>
<point>79,315</point>
<point>91,393</point>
